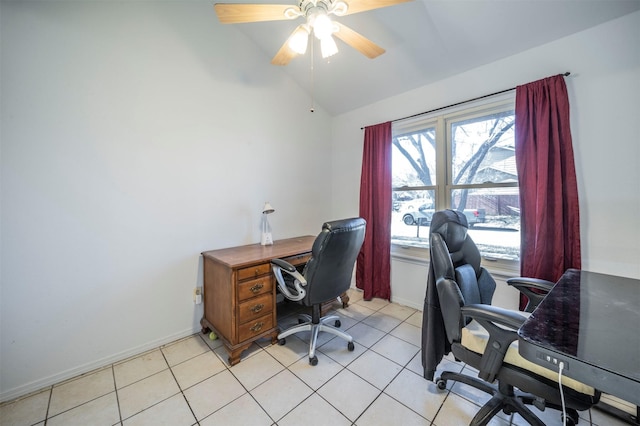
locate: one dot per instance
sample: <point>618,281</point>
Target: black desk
<point>590,322</point>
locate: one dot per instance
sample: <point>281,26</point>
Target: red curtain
<point>550,220</point>
<point>373,270</point>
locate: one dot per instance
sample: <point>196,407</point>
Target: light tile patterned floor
<point>189,382</point>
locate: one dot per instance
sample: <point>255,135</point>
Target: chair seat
<point>475,338</point>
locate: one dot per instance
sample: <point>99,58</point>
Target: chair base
<point>505,398</point>
<point>315,328</point>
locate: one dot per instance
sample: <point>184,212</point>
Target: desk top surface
<point>593,318</point>
<point>257,253</point>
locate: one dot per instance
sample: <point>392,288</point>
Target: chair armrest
<point>531,283</point>
<point>284,265</point>
<point>295,291</point>
<point>535,289</point>
<point>494,320</point>
<point>494,314</point>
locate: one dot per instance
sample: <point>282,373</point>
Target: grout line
<point>46,415</point>
<point>179,387</point>
<point>190,409</point>
<point>115,386</point>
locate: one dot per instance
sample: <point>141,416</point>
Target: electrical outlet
<point>197,295</point>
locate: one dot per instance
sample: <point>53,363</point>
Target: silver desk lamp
<point>266,239</point>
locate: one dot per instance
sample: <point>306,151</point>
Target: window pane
<point>412,211</point>
<point>483,149</point>
<point>493,215</point>
<point>414,159</point>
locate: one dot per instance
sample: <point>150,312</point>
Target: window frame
<point>443,188</point>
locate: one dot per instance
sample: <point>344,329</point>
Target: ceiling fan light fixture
<point>292,13</point>
<point>322,25</point>
<point>328,46</point>
<point>316,14</point>
<point>299,40</point>
<point>339,8</point>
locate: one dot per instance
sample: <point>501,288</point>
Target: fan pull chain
<point>312,80</point>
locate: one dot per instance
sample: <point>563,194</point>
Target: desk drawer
<point>249,289</point>
<point>254,271</point>
<point>255,327</point>
<point>256,307</point>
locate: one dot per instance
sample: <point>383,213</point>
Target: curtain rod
<point>566,74</point>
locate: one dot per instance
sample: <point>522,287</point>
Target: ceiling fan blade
<point>286,53</point>
<point>358,41</point>
<point>229,13</point>
<point>356,6</point>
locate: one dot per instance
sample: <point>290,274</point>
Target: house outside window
<point>463,159</point>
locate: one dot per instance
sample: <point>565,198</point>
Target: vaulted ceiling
<point>425,41</point>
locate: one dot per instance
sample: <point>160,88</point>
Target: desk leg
<point>345,300</point>
<point>326,307</point>
<point>235,351</point>
<point>234,354</point>
<point>205,326</point>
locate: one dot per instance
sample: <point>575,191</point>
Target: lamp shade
<point>299,40</point>
<point>328,47</point>
<point>267,209</point>
<point>322,26</point>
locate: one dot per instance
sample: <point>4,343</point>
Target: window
<point>462,159</point>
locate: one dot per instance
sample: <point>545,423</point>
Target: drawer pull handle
<point>256,288</point>
<point>257,308</point>
<point>257,327</point>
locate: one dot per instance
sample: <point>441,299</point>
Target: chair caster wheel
<point>337,323</point>
<point>314,360</point>
<point>441,384</point>
<point>570,420</point>
<point>351,346</point>
<point>282,341</point>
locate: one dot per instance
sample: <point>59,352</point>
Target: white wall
<point>135,135</point>
<point>604,89</point>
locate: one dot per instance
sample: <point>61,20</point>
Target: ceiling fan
<point>317,21</point>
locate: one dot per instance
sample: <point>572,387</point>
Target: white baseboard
<point>419,305</point>
<point>40,384</point>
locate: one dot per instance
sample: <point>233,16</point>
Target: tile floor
<point>189,382</point>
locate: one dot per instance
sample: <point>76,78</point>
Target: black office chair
<point>326,276</point>
<point>458,318</point>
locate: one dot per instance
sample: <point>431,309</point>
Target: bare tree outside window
<point>412,148</point>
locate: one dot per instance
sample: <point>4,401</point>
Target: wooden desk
<point>240,291</point>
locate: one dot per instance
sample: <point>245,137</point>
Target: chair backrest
<point>459,278</point>
<point>329,270</point>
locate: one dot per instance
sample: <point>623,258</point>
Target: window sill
<point>498,267</point>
